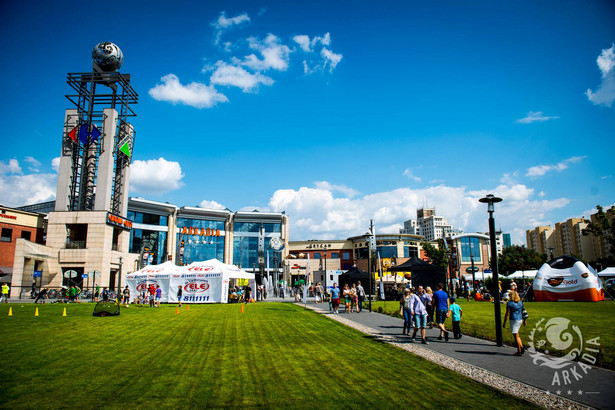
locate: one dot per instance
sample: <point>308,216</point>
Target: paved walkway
<point>595,387</point>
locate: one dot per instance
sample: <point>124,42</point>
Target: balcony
<point>75,245</point>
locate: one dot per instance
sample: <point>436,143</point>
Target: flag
<point>73,134</point>
<point>380,273</point>
<point>84,133</point>
<point>307,280</point>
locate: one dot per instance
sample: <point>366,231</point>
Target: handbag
<point>524,313</point>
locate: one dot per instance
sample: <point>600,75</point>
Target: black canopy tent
<point>353,276</point>
<point>423,273</point>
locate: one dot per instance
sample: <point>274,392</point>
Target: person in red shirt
<point>152,294</point>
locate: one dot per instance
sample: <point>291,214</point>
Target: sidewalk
<point>594,388</point>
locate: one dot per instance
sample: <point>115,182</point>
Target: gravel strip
<point>505,384</point>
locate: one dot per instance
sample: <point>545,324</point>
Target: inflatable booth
<point>567,279</point>
<point>202,282</point>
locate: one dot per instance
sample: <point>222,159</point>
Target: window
<point>470,246</point>
<point>335,255</point>
<point>27,235</point>
<point>76,236</point>
<point>346,255</point>
<point>316,255</point>
<point>7,235</point>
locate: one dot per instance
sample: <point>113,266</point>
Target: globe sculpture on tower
<point>107,56</point>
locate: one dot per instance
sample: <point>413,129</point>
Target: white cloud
<point>12,167</point>
<point>316,213</point>
<point>155,176</point>
<point>194,94</point>
<point>275,55</point>
<point>230,75</point>
<point>34,164</point>
<point>304,42</point>
<point>55,164</point>
<point>349,192</point>
<point>17,189</point>
<point>224,23</point>
<point>308,45</point>
<point>540,170</point>
<point>535,117</point>
<point>408,173</point>
<point>605,94</point>
<point>331,58</point>
<point>211,205</point>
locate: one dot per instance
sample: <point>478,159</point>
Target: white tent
<point>607,272</point>
<point>152,275</point>
<point>202,282</point>
<point>523,274</point>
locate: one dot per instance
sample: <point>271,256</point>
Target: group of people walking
<point>353,298</point>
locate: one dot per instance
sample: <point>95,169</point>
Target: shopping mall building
<point>100,246</point>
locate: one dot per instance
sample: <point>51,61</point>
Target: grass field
<point>273,355</point>
<point>593,320</point>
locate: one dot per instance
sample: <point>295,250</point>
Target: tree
<point>516,257</point>
<point>603,226</point>
<point>437,255</point>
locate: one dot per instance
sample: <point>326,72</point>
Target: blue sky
<point>336,112</point>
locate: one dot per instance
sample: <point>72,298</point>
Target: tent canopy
<point>423,273</point>
<point>607,272</point>
<point>415,263</point>
<point>353,276</point>
<point>523,274</point>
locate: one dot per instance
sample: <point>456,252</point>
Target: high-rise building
<point>428,224</point>
<point>541,239</point>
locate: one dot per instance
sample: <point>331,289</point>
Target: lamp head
<point>490,200</point>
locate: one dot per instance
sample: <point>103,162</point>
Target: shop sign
<point>118,221</point>
<point>190,230</point>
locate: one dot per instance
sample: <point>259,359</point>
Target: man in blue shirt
<point>440,303</point>
<point>335,298</point>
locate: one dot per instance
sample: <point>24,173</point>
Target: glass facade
<point>152,240</point>
<point>148,219</point>
<point>245,243</point>
<point>199,240</point>
<point>470,246</point>
<point>387,251</point>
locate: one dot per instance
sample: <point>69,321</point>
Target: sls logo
<point>196,286</point>
<point>575,355</point>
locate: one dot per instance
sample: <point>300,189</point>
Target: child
<point>457,312</point>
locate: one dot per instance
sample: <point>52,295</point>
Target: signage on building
<point>37,274</point>
<point>8,216</point>
<point>118,221</point>
<point>190,230</point>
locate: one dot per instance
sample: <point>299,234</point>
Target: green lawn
<point>272,355</point>
<point>593,319</point>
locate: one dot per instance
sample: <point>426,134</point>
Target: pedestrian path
<point>593,387</point>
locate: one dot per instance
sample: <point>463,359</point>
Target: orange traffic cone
<point>187,307</point>
<point>242,308</point>
<point>10,311</point>
<point>64,313</point>
<point>176,310</point>
<point>36,312</point>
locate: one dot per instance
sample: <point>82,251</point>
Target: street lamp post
<point>473,271</point>
<point>490,200</point>
<point>119,279</point>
